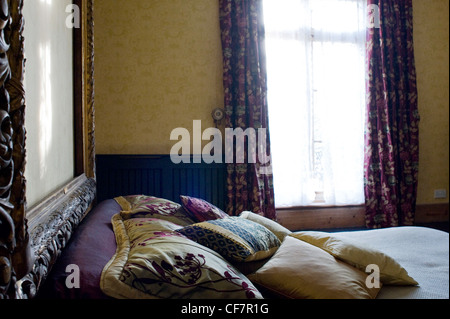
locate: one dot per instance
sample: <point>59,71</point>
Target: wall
<point>431,37</point>
<point>49,98</point>
<point>158,66</point>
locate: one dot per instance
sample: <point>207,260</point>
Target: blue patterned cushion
<point>235,238</point>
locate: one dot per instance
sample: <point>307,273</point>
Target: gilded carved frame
<point>31,241</point>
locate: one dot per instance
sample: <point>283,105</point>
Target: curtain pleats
<point>392,127</point>
<point>249,182</point>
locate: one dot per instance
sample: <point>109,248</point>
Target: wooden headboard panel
<point>31,241</point>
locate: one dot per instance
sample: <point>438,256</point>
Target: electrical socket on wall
<point>440,193</point>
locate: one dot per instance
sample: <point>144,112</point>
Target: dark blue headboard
<point>157,175</point>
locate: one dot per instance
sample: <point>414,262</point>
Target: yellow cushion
<point>280,231</point>
<point>143,206</point>
<point>391,272</point>
<point>302,271</point>
<point>153,261</point>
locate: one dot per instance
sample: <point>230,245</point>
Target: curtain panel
<point>392,124</point>
<point>249,181</point>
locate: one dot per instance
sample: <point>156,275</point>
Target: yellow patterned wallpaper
<point>158,66</point>
<point>431,37</point>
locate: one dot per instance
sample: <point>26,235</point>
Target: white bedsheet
<point>423,252</point>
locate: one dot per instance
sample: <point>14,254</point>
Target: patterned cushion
<point>153,261</point>
<point>138,206</point>
<point>200,210</point>
<point>235,238</point>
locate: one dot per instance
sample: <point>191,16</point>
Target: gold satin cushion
<point>300,270</point>
<point>391,272</point>
<point>280,231</point>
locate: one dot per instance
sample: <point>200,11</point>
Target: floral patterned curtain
<point>250,184</point>
<point>392,136</point>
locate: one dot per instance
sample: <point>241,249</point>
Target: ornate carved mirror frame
<point>32,240</point>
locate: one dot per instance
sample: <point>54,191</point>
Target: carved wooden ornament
<point>31,241</point>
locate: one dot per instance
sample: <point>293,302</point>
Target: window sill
<point>349,217</point>
<point>321,217</point>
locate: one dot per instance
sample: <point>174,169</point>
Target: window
<point>316,95</point>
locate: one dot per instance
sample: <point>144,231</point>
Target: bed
<point>67,246</point>
<point>420,255</point>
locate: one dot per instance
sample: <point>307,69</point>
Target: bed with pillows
<point>144,247</point>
